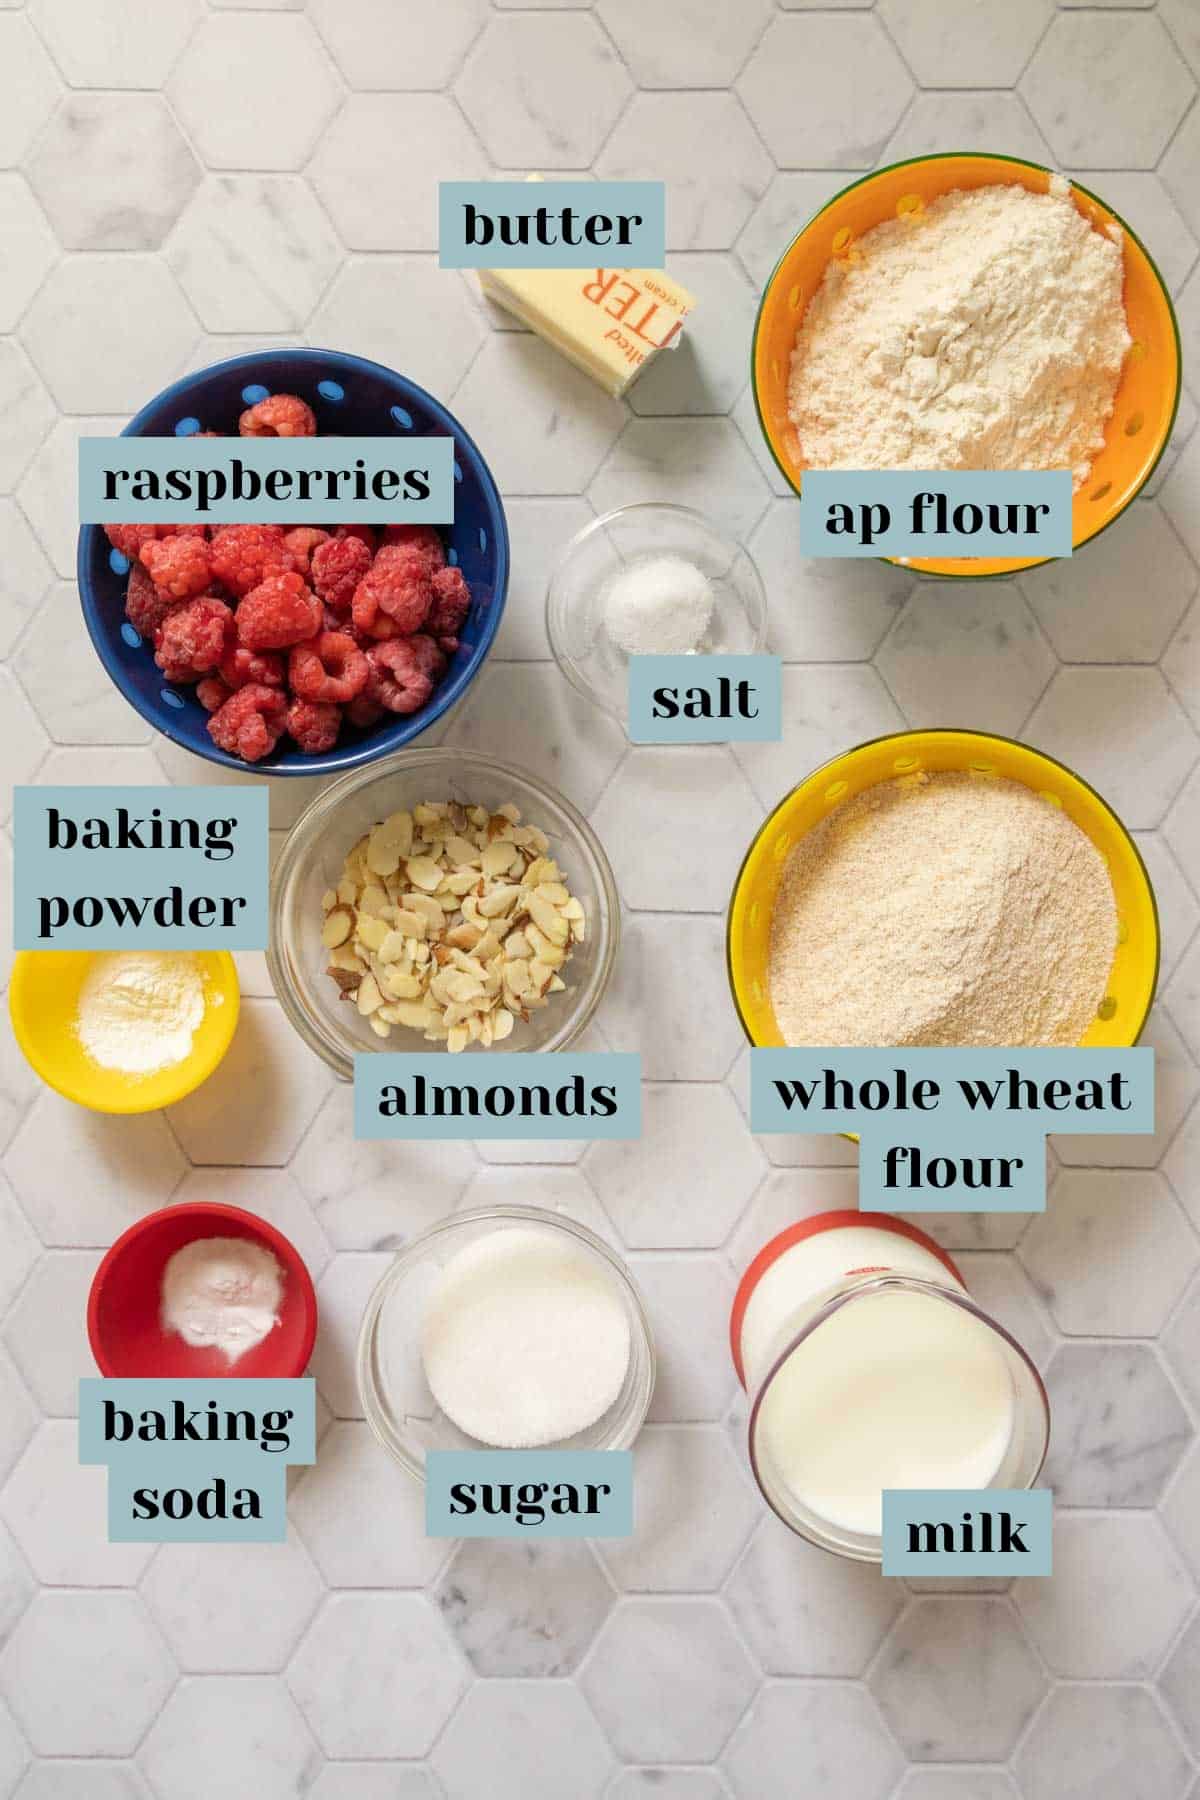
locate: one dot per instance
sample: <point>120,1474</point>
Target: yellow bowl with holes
<point>1148,395</point>
<point>1131,983</point>
<point>43,999</point>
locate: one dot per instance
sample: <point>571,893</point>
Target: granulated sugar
<point>985,332</point>
<point>942,909</point>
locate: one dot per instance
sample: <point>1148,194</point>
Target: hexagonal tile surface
<point>695,1511</point>
<point>568,423</point>
<point>685,1653</point>
<point>706,369</point>
<point>940,122</point>
<point>107,331</point>
<point>239,1608</point>
<point>30,248</point>
<point>48,492</point>
<point>693,1035</point>
<point>273,1194</point>
<point>376,1676</point>
<point>540,1739</point>
<point>71,690</point>
<point>254,252</point>
<point>362,1515</point>
<point>1107,90</point>
<point>1090,1743</point>
<point>528,1610</point>
<point>113,171</point>
<point>56,1509</point>
<point>980,640</point>
<point>987,48</point>
<point>1119,1427</point>
<point>1087,616</point>
<point>85,1673</point>
<point>354,169</point>
<point>702,463</point>
<point>24,574</point>
<point>689,1175</point>
<point>957,1681</point>
<point>342,1294</point>
<point>687,1299</point>
<point>684,43</point>
<point>694,870</point>
<point>529,707</point>
<point>1143,752</point>
<point>1112,1253</point>
<point>957,1784</point>
<point>805,1613</point>
<point>404,312</point>
<point>704,147</point>
<point>254,90</point>
<point>571,85</point>
<point>830,1728</point>
<point>822,609</point>
<point>372,52</point>
<point>844,704</point>
<point>35,86</point>
<point>261,1100</point>
<point>26,412</point>
<point>117,43</point>
<point>83,1177</point>
<point>793,90</point>
<point>215,1732</point>
<point>55,1780</point>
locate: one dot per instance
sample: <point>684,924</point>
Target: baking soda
<point>223,1294</point>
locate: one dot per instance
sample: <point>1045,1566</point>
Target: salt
<point>657,606</point>
<point>525,1339</point>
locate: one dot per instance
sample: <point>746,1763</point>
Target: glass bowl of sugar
<point>651,579</point>
<point>505,1328</point>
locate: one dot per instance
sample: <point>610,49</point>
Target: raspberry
<point>282,415</point>
<point>398,681</point>
<point>302,540</point>
<point>244,555</point>
<point>396,585</point>
<point>451,603</point>
<point>314,725</point>
<point>330,668</point>
<point>429,657</point>
<point>181,567</point>
<point>193,639</point>
<point>145,607</point>
<point>364,533</point>
<point>337,568</point>
<point>281,610</point>
<point>364,712</point>
<point>263,667</point>
<point>212,693</point>
<point>250,723</point>
<point>417,537</point>
<point>128,539</point>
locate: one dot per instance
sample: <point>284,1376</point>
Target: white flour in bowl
<point>985,332</point>
<point>942,909</point>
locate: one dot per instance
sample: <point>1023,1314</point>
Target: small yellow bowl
<point>42,1002</point>
<point>1131,983</point>
<point>1147,397</point>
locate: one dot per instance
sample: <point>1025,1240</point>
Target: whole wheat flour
<point>942,909</point>
<point>985,332</point>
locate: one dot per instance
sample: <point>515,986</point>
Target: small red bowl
<point>124,1332</point>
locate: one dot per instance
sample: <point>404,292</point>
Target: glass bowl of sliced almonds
<point>441,901</point>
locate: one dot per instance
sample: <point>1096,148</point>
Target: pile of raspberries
<point>290,631</point>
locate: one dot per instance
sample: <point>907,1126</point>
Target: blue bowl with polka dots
<point>351,398</point>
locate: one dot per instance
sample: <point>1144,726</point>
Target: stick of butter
<point>609,322</point>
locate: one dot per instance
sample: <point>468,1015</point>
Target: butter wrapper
<point>609,322</point>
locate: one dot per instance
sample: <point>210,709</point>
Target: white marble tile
<point>997,1281</point>
<point>372,1781</point>
<point>684,1182</point>
<point>1175,1087</point>
<point>376,1195</point>
<point>676,867</point>
<point>70,689</point>
<point>254,90</point>
<point>1107,89</point>
<point>56,1508</point>
<point>691,1033</point>
<point>825,711</point>
<point>542,424</point>
<point>985,46</point>
<point>1180,495</point>
<point>538,1739</point>
<point>30,250</point>
<point>543,726</point>
<point>701,463</point>
<point>289,798</point>
<point>972,1231</point>
<point>706,150</point>
<point>404,312</point>
<point>784,1197</point>
<point>826,1726</point>
<point>374,135</point>
<point>939,123</point>
<point>684,43</point>
<point>55,1780</point>
<point>254,253</point>
<point>26,410</point>
<point>803,1612</point>
<point>1178,910</point>
<point>116,43</point>
<point>382,44</point>
<point>14,1752</point>
<point>695,1511</point>
<point>17,1585</point>
<point>685,1653</point>
<point>1111,1254</point>
<point>524,1609</point>
<point>687,1299</point>
<point>1121,729</point>
<point>1118,1597</point>
<point>706,368</point>
<point>342,1294</point>
<point>1180,159</point>
<point>791,201</point>
<point>363,1516</point>
<point>556,1189</point>
<point>539,532</point>
<point>82,1177</point>
<point>667,1784</point>
<point>1102,1743</point>
<point>376,1676</point>
<point>232,1609</point>
<point>33,82</point>
<point>745,417</point>
<point>1180,1510</point>
<point>48,493</point>
<point>1180,1682</point>
<point>1083,602</point>
<point>258,1104</point>
<point>795,90</point>
<point>19,1248</point>
<point>957,1784</point>
<point>1182,432</point>
<point>1119,1427</point>
<point>957,1680</point>
<point>822,609</point>
<point>215,1735</point>
<point>966,651</point>
<point>112,171</point>
<point>543,90</point>
<point>23,742</point>
<point>85,1673</point>
<point>106,332</point>
<point>25,576</point>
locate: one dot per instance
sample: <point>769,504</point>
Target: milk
<point>897,1387</point>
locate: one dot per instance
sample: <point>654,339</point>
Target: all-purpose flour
<point>985,332</point>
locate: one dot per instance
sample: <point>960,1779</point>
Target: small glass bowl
<point>397,1401</point>
<point>597,667</point>
<point>311,861</point>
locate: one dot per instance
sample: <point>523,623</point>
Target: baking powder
<point>139,1009</point>
<point>986,331</point>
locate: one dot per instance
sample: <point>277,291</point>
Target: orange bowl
<point>1147,397</point>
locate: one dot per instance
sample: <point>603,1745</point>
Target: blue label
<point>552,224</point>
<point>952,1130</point>
<point>197,1462</point>
<point>292,481</point>
<point>505,1094</point>
<point>529,1493</point>
<point>932,512</point>
<point>140,868</point>
<point>968,1531</point>
<point>705,699</point>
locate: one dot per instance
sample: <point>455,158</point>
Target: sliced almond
<point>371,932</point>
<point>502,1024</point>
<point>499,857</point>
<point>369,997</point>
<point>457,1039</point>
<point>429,909</point>
<point>423,873</point>
<point>500,900</point>
<point>337,927</point>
